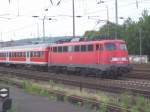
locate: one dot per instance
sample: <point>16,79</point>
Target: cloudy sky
<point>17,21</point>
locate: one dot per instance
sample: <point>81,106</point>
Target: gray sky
<point>16,21</point>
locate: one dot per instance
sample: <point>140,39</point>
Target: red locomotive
<point>105,58</point>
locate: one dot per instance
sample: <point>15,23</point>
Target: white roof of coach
<point>25,47</point>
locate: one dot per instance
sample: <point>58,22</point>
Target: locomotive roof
<point>25,47</point>
<point>89,42</point>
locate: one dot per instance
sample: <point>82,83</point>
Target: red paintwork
<point>92,57</point>
<point>88,57</point>
<point>41,59</point>
<point>24,50</point>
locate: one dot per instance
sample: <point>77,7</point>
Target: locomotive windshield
<point>123,46</point>
<point>110,46</point>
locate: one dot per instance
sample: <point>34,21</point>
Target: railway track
<point>134,86</point>
<point>140,71</point>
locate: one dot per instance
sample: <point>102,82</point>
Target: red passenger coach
<point>25,55</point>
<point>105,58</point>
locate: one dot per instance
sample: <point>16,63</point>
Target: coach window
<point>34,53</point>
<point>31,54</point>
<point>77,48</point>
<point>42,54</point>
<point>22,54</point>
<point>65,49</point>
<point>39,54</point>
<point>90,47</point>
<point>14,54</point>
<point>17,54</point>
<point>83,48</point>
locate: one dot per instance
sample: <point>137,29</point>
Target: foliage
<point>129,31</point>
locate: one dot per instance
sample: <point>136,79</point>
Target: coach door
<point>28,57</point>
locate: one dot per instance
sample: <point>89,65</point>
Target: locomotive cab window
<point>110,46</point>
<point>123,46</point>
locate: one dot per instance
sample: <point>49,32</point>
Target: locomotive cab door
<point>28,57</point>
<point>99,48</point>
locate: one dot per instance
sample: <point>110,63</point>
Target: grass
<point>134,104</point>
<point>13,108</point>
<point>33,88</point>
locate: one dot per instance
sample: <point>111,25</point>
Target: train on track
<point>101,58</point>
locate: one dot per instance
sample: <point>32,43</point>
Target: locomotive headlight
<point>119,59</point>
<point>114,59</point>
<point>124,59</point>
